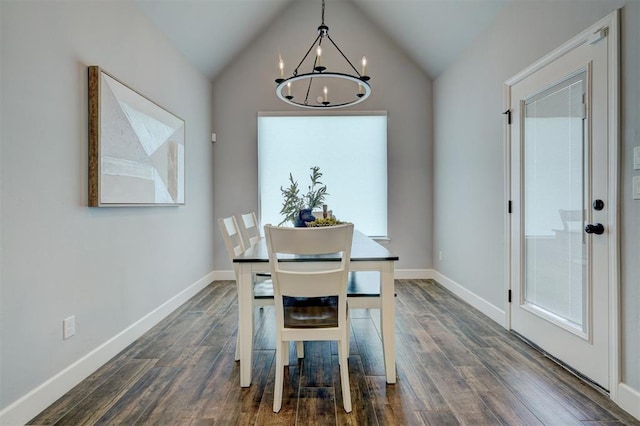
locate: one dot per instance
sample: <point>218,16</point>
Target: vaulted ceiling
<point>211,32</point>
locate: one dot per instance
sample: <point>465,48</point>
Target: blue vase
<point>303,217</point>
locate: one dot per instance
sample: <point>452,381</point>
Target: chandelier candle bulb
<point>326,93</point>
<point>289,90</point>
<point>281,67</point>
<point>364,65</point>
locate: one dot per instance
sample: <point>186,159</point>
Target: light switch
<point>636,187</point>
<point>636,158</point>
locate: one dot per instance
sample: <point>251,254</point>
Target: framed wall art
<point>136,147</point>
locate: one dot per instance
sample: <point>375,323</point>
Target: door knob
<point>597,229</point>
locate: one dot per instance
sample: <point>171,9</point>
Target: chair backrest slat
<point>304,284</point>
<point>309,241</point>
<point>323,278</point>
<point>231,236</point>
<point>249,228</point>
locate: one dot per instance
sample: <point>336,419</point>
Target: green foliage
<point>315,197</point>
<point>326,221</point>
<point>293,201</point>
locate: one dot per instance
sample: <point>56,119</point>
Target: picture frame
<point>136,147</point>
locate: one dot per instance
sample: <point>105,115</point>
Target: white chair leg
<point>282,353</point>
<point>300,349</point>
<point>237,356</point>
<point>348,335</point>
<point>343,350</point>
<point>286,354</point>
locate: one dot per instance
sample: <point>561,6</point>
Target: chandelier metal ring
<point>308,76</point>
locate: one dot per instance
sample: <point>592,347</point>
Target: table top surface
<point>363,249</point>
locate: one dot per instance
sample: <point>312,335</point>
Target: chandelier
<point>321,88</point>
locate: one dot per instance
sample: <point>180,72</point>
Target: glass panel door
<point>562,224</point>
<point>555,250</point>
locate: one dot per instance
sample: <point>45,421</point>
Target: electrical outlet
<point>636,187</point>
<point>68,327</point>
<point>440,255</point>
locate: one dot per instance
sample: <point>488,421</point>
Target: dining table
<point>366,255</point>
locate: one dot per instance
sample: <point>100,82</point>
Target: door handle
<point>597,229</point>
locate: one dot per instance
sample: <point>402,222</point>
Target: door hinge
<point>597,36</point>
<point>508,114</point>
<point>509,207</point>
<point>509,296</point>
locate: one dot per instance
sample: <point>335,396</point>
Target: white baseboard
<point>29,405</point>
<point>629,400</point>
<point>490,310</point>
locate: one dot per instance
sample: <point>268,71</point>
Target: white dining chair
<point>262,286</point>
<point>234,243</point>
<point>250,228</point>
<point>262,291</point>
<point>310,302</point>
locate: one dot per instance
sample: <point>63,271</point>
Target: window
<point>351,151</point>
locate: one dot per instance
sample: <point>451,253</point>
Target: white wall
<point>630,208</point>
<point>110,267</point>
<point>246,87</point>
<point>468,150</point>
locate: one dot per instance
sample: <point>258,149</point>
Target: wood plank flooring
<point>455,366</point>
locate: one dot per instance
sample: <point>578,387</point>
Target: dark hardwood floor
<point>455,366</point>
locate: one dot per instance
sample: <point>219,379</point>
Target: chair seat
<point>319,316</point>
<point>310,312</point>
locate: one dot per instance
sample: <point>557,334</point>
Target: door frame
<point>610,24</point>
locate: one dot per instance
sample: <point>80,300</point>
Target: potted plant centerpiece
<point>297,207</point>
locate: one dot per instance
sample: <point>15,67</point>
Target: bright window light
<point>351,151</point>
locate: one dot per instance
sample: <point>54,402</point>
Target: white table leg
<point>245,322</point>
<point>388,320</point>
